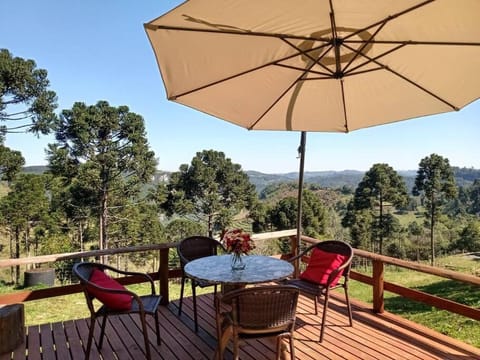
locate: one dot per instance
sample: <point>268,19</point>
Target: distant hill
<point>325,179</point>
<point>349,178</point>
<point>36,169</point>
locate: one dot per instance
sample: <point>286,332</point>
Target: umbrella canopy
<point>318,65</point>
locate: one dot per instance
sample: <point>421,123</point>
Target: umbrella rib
<point>369,60</point>
<point>389,18</point>
<point>307,54</point>
<point>416,42</point>
<point>273,104</point>
<point>344,107</point>
<point>275,62</point>
<point>296,82</point>
<point>400,44</point>
<point>328,75</point>
<point>363,46</point>
<point>374,60</point>
<point>336,43</point>
<point>233,32</point>
<point>422,88</point>
<point>353,73</point>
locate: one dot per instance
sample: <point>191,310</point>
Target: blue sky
<point>98,50</point>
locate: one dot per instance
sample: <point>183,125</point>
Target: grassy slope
<point>455,326</point>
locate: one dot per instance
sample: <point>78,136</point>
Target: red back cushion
<point>112,300</point>
<point>321,264</point>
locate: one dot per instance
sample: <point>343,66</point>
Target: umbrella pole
<point>301,150</point>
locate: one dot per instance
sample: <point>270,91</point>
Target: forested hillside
<point>325,179</point>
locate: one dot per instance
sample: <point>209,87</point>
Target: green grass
<point>407,218</point>
<point>453,325</point>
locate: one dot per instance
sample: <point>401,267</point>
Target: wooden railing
<point>379,285</point>
<point>164,273</point>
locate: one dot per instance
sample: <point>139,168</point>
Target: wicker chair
<point>263,311</point>
<point>316,290</point>
<point>191,248</point>
<point>145,304</point>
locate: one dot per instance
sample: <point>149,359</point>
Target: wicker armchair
<point>315,290</point>
<point>189,249</point>
<point>256,312</point>
<point>117,300</point>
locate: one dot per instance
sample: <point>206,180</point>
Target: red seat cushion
<point>321,264</point>
<point>113,301</point>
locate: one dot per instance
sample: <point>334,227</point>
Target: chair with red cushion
<point>328,268</point>
<point>115,299</point>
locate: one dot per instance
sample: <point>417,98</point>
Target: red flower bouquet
<point>238,242</point>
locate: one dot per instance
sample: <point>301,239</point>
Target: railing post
<point>163,275</point>
<point>294,246</point>
<point>378,274</point>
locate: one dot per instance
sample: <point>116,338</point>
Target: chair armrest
<point>133,273</point>
<point>109,290</point>
<point>302,253</point>
<point>135,297</point>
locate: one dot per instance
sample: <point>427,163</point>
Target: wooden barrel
<point>12,327</point>
<point>45,276</point>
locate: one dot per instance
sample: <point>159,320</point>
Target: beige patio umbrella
<point>319,65</point>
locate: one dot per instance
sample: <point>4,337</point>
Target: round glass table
<point>258,269</point>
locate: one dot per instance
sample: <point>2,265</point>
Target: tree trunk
<point>381,226</point>
<point>100,232</point>
<point>104,220</point>
<point>432,225</point>
<point>80,235</point>
<point>210,230</point>
<point>17,254</point>
<point>12,254</point>
<point>103,224</point>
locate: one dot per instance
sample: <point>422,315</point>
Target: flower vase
<point>237,261</point>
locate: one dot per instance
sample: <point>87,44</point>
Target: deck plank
<point>46,338</point>
<point>372,337</point>
<point>73,339</point>
<point>33,343</point>
<point>60,341</point>
<point>181,344</point>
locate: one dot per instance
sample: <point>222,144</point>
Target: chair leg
<point>157,328</point>
<point>222,342</point>
<point>236,346</point>
<point>281,347</point>
<point>90,337</point>
<point>324,315</point>
<point>278,350</point>
<point>315,304</point>
<point>292,346</point>
<point>194,296</point>
<point>349,307</point>
<point>148,356</point>
<point>182,286</point>
<point>102,331</point>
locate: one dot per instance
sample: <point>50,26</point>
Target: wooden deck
<point>371,337</point>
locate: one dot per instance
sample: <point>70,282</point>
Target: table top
<point>217,269</point>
